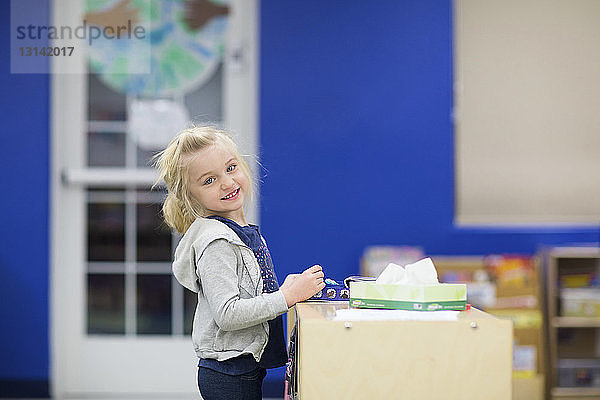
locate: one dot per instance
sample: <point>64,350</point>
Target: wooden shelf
<point>576,322</point>
<point>575,252</point>
<point>561,261</point>
<point>576,392</point>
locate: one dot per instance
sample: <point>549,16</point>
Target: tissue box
<point>444,296</point>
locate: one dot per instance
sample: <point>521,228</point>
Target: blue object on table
<point>332,291</point>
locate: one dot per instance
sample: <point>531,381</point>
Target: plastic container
<point>579,372</point>
<point>580,302</point>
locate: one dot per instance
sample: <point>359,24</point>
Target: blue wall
<point>24,234</point>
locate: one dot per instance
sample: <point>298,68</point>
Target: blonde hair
<point>180,209</point>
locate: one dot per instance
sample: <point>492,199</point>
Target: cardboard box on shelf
<point>528,388</point>
<point>524,361</point>
<point>527,331</point>
<point>521,318</point>
<point>516,279</point>
<point>469,270</point>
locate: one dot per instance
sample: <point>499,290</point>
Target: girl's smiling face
<point>218,183</point>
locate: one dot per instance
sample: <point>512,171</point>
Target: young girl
<point>238,329</point>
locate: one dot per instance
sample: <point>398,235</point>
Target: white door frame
<point>71,350</point>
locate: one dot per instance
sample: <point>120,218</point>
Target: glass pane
<point>156,195</point>
<point>153,235</point>
<point>189,307</point>
<point>205,103</point>
<point>154,304</point>
<point>144,157</point>
<point>106,303</point>
<point>106,232</point>
<point>104,103</point>
<point>106,149</point>
<point>100,195</point>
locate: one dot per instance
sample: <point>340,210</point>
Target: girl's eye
<point>231,167</point>
<point>209,181</point>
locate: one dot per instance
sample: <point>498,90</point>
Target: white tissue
<point>422,272</point>
<point>393,273</point>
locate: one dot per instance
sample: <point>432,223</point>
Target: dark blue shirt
<point>275,354</point>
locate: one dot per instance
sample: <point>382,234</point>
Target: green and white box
<point>443,296</point>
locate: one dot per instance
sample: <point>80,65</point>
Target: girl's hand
<point>289,280</point>
<point>303,286</point>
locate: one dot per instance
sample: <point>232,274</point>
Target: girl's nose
<point>227,182</point>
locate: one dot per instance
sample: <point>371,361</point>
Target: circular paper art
<point>171,58</point>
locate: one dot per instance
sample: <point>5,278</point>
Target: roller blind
<point>527,111</point>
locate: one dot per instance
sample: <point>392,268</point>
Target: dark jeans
<point>215,385</point>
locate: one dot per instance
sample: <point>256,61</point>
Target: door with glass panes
<point>120,322</point>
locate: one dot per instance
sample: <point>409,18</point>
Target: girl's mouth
<point>232,195</point>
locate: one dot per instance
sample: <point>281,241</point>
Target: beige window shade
<point>527,111</point>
